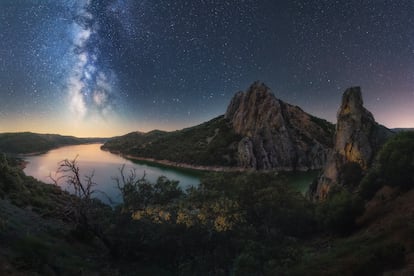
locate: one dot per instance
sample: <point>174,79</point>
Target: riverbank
<point>183,165</point>
<point>180,165</point>
<point>174,164</point>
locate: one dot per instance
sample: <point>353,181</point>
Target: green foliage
<point>139,193</point>
<point>394,166</point>
<point>249,262</point>
<point>350,174</point>
<point>32,252</point>
<point>396,160</point>
<point>3,223</point>
<point>370,184</point>
<point>25,191</point>
<point>3,161</point>
<point>358,255</point>
<point>166,190</point>
<point>244,222</point>
<point>211,143</point>
<point>339,211</point>
<point>132,139</point>
<point>232,224</point>
<point>264,199</point>
<point>27,142</point>
<point>378,258</point>
<point>10,177</point>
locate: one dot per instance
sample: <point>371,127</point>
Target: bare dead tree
<point>82,209</point>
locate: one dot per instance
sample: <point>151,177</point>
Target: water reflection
<point>104,165</point>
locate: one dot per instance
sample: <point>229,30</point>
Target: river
<point>105,166</point>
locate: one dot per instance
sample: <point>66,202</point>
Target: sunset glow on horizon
<point>92,68</point>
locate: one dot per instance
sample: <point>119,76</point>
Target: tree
<point>138,193</point>
<point>396,160</point>
<point>85,212</point>
<point>339,211</point>
<point>394,166</point>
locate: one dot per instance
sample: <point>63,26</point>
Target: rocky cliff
<point>277,135</point>
<point>357,139</point>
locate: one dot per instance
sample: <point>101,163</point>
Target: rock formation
<point>277,135</point>
<point>357,139</point>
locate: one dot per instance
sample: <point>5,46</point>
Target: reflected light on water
<point>104,165</point>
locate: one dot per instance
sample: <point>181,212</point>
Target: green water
<point>105,167</point>
<point>301,181</point>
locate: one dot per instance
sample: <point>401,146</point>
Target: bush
<point>396,160</point>
<point>249,262</point>
<point>350,174</point>
<point>339,211</point>
<point>32,252</point>
<point>394,166</point>
<point>370,184</point>
<point>377,258</point>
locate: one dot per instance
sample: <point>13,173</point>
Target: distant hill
<point>402,129</point>
<point>213,143</point>
<point>258,131</point>
<point>28,142</point>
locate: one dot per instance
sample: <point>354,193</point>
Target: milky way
<point>89,87</point>
<point>88,67</point>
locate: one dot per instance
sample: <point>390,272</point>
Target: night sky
<point>104,68</point>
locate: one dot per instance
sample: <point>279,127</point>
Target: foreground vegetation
<point>232,224</point>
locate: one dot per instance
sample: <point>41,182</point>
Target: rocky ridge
<point>358,137</point>
<point>277,135</point>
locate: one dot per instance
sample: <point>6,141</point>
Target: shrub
<point>32,252</point>
<point>370,184</point>
<point>394,166</point>
<point>377,258</point>
<point>350,174</point>
<point>396,160</point>
<point>339,211</point>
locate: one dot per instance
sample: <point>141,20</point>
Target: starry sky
<point>108,67</point>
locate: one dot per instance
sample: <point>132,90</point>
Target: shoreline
<point>174,164</point>
<point>22,165</point>
<point>28,154</point>
<point>183,165</point>
<point>178,164</point>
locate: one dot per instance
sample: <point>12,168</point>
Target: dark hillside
<point>28,142</point>
<point>258,131</point>
<point>213,143</point>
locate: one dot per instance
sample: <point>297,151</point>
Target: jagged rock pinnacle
<point>276,135</point>
<point>357,138</point>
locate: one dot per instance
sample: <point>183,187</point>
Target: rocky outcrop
<point>277,135</point>
<point>357,139</point>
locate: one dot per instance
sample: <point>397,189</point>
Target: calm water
<point>105,166</point>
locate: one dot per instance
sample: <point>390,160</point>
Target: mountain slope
<point>258,131</point>
<point>277,135</point>
<point>27,142</point>
<point>213,143</point>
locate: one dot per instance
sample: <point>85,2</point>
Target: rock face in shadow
<point>358,137</point>
<point>277,135</point>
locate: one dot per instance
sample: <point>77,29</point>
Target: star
<point>135,64</point>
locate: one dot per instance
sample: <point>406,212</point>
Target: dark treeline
<point>248,223</point>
